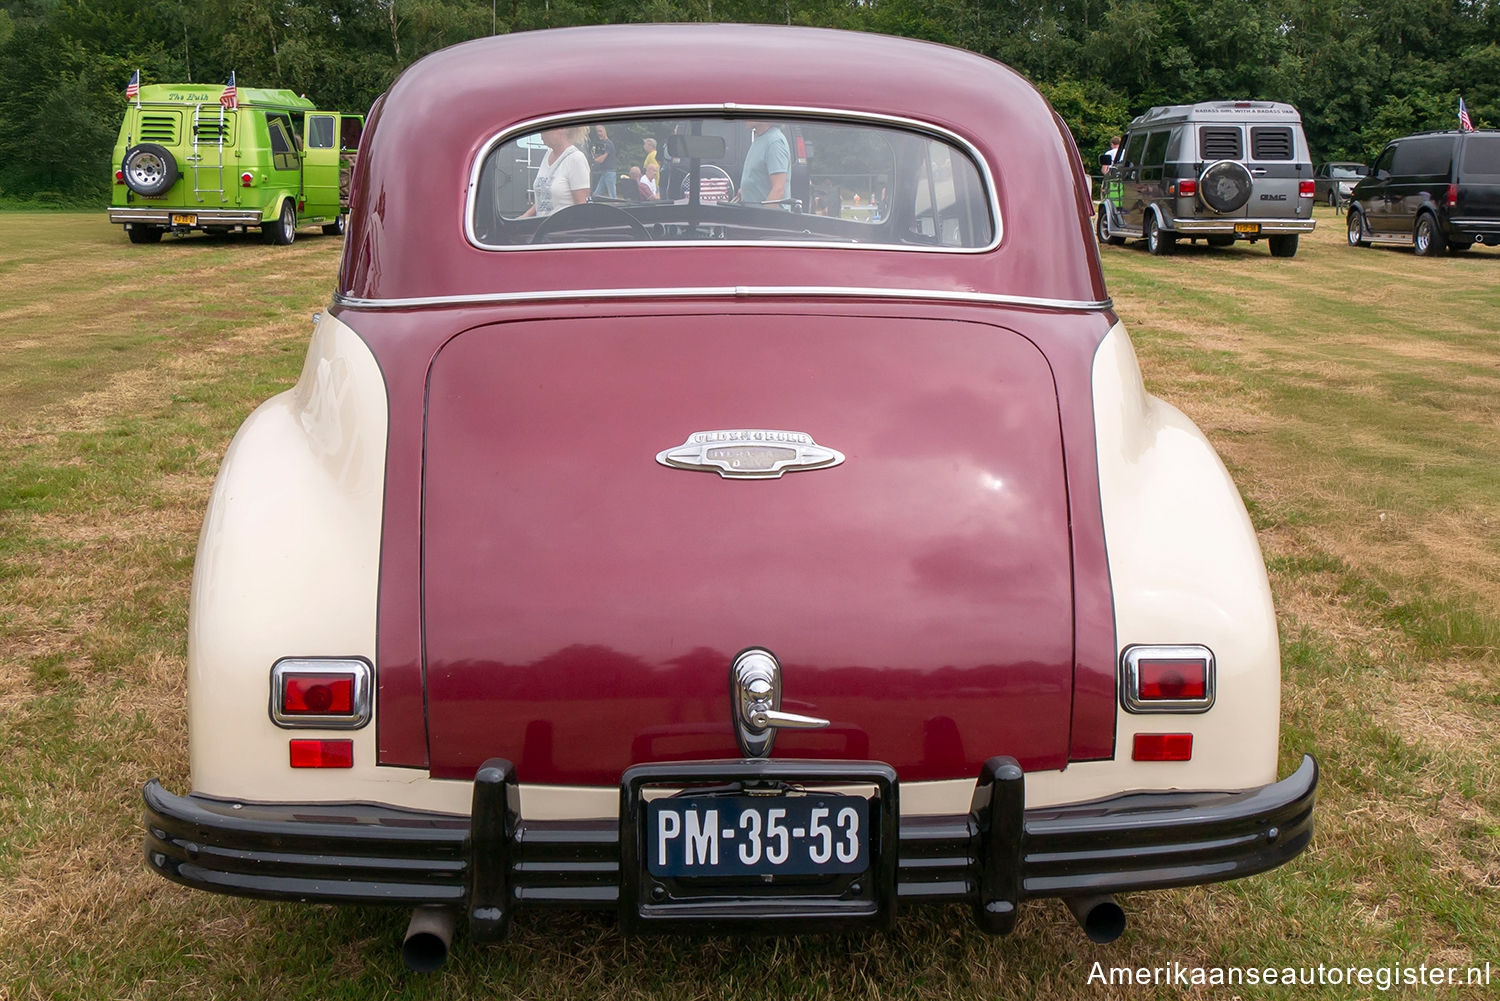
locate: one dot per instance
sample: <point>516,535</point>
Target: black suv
<point>1435,191</point>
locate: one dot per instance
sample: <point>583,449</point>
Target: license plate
<point>1247,227</point>
<point>728,836</point>
<point>184,220</point>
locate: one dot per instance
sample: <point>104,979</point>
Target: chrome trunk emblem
<point>751,454</point>
<point>755,697</point>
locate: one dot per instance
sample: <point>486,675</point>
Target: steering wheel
<point>589,216</point>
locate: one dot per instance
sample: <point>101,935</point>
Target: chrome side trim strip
<point>723,292</point>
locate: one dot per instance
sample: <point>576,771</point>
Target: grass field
<point>1355,396</point>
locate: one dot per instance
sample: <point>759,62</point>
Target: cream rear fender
<point>288,565</point>
<point>1185,567</point>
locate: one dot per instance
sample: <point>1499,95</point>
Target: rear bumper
<point>162,216</point>
<point>992,858</point>
<point>1268,227</point>
<point>1474,226</point>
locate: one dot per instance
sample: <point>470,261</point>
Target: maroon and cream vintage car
<point>775,547</point>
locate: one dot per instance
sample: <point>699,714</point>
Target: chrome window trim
<point>736,110</point>
<point>724,292</point>
<point>359,667</point>
<point>1130,678</point>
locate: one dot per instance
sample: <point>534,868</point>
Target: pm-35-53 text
<point>757,835</point>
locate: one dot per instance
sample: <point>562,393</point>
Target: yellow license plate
<point>1247,227</point>
<point>184,220</point>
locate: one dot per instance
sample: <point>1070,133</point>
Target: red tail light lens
<point>318,693</point>
<point>1162,747</point>
<point>247,179</point>
<point>119,177</point>
<point>322,753</point>
<point>1307,189</point>
<point>1167,679</point>
<point>1172,679</point>
<point>1452,195</point>
<point>1188,187</point>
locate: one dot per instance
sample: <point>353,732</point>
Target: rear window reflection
<point>773,179</point>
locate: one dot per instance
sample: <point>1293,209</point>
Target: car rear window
<point>766,179</point>
<point>1481,156</point>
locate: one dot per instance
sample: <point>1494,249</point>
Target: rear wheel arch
<point>282,231</point>
<point>1160,241</point>
<point>1427,234</point>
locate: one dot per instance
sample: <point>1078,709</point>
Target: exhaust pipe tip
<point>429,935</point>
<point>1101,917</point>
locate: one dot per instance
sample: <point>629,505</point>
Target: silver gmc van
<point>1219,170</point>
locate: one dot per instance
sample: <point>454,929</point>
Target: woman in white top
<point>563,178</point>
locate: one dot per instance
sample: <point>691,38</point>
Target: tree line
<point>1360,71</point>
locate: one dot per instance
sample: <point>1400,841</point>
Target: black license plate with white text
<point>737,835</point>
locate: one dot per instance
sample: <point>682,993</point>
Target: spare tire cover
<point>1225,186</point>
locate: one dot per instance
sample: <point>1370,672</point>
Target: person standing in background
<point>563,177</point>
<point>602,155</point>
<point>768,165</point>
<point>1108,158</point>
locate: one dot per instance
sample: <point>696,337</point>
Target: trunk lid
<point>583,602</point>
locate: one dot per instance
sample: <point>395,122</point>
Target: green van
<point>272,161</point>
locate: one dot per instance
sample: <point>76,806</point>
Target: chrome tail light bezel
<point>362,699</point>
<point>1130,678</point>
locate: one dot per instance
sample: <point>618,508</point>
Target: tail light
<point>1167,679</point>
<point>119,177</point>
<point>321,753</point>
<point>1187,187</point>
<point>326,694</point>
<point>1162,747</point>
<point>1452,195</point>
<point>247,179</point>
<point>1307,189</point>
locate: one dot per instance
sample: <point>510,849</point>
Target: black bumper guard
<point>993,857</point>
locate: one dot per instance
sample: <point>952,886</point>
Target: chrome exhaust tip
<point>1100,917</point>
<point>428,937</point>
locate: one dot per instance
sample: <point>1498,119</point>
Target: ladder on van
<point>199,167</point>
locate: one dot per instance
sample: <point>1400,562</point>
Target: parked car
<point>188,161</point>
<point>1435,191</point>
<point>1335,180</point>
<point>717,563</point>
<point>1219,170</point>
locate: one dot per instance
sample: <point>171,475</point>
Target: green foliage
<point>1361,71</point>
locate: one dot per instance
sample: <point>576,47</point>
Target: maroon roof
<point>406,238</point>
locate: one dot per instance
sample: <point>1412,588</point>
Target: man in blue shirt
<point>768,165</point>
